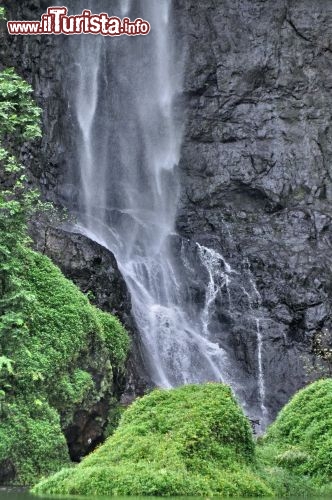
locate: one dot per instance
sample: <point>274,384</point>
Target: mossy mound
<point>58,354</point>
<point>193,440</point>
<point>297,449</point>
<point>31,441</point>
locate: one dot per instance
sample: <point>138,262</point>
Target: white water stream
<point>128,148</point>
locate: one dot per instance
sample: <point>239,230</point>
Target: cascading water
<point>128,142</point>
<point>254,305</point>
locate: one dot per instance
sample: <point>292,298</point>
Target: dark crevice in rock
<point>7,472</point>
<point>86,430</point>
<point>298,33</point>
<point>306,39</point>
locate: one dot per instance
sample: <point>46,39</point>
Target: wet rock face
<point>256,163</point>
<point>41,60</point>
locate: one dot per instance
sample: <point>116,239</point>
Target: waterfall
<point>261,382</point>
<point>129,147</point>
<point>219,272</point>
<point>125,7</point>
<point>128,140</point>
<point>87,92</point>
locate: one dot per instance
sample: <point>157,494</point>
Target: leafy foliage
<point>49,353</point>
<point>296,453</point>
<point>303,431</point>
<point>48,328</point>
<point>193,440</point>
<point>31,438</point>
<point>6,364</point>
<point>19,115</point>
<point>19,121</point>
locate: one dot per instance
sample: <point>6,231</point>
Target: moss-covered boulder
<point>296,453</point>
<point>303,432</point>
<point>193,440</point>
<point>58,354</point>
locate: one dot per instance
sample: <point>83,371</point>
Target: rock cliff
<point>256,165</point>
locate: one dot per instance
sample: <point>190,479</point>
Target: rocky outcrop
<point>256,165</point>
<point>94,270</point>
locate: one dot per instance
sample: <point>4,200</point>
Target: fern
<point>7,364</point>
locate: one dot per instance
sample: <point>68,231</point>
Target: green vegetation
<point>193,440</point>
<point>49,352</point>
<point>297,449</point>
<point>19,122</point>
<point>53,343</point>
<point>322,349</point>
<point>31,439</point>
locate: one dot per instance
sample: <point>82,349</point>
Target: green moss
<point>114,336</point>
<point>56,342</point>
<point>303,432</point>
<point>31,439</point>
<point>56,350</point>
<point>114,415</point>
<point>296,452</point>
<point>74,387</point>
<point>192,440</point>
<point>195,441</point>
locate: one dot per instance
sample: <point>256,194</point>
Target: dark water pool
<point>17,494</point>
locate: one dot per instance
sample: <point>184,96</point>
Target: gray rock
<point>255,166</point>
